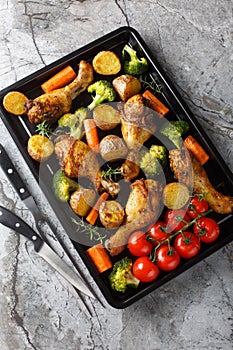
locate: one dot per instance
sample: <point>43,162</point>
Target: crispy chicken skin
<point>181,165</point>
<point>130,168</point>
<point>188,170</point>
<point>77,160</point>
<point>137,122</point>
<point>220,203</point>
<point>142,208</point>
<point>51,106</point>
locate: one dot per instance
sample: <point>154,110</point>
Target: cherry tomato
<point>197,206</point>
<point>207,229</point>
<point>138,244</point>
<point>176,219</point>
<point>167,258</point>
<point>158,232</point>
<point>187,244</point>
<point>145,270</point>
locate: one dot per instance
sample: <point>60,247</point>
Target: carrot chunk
<point>91,134</point>
<point>93,215</point>
<point>155,103</point>
<point>62,78</point>
<point>196,149</point>
<point>100,257</point>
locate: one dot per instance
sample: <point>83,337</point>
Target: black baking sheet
<point>217,170</point>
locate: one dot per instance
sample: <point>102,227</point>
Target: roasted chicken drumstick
<point>52,105</point>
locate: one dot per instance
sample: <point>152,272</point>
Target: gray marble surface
<point>193,42</point>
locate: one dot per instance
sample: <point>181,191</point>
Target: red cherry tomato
<point>207,229</point>
<point>158,232</point>
<point>187,244</point>
<point>197,206</point>
<point>176,219</point>
<point>138,244</point>
<point>167,258</point>
<point>145,270</point>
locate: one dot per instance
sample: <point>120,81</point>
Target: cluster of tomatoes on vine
<point>170,239</point>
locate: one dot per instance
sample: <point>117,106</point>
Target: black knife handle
<point>14,222</point>
<point>12,174</point>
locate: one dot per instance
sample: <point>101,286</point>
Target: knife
<point>24,194</point>
<point>14,222</point>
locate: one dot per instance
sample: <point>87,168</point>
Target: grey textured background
<point>193,42</point>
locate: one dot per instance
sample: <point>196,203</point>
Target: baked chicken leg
<point>52,105</point>
<point>142,208</point>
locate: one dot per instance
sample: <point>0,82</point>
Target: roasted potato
<point>175,195</point>
<point>13,102</point>
<point>111,214</point>
<point>106,117</point>
<point>106,63</point>
<point>40,147</point>
<point>113,148</point>
<point>126,86</point>
<point>82,200</point>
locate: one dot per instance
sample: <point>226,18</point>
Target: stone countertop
<point>193,42</point>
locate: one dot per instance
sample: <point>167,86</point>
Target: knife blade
<point>11,220</point>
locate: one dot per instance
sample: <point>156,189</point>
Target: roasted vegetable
<point>60,79</point>
<point>174,130</point>
<point>63,186</point>
<point>152,162</point>
<point>106,117</point>
<point>106,63</point>
<point>160,153</point>
<point>134,65</point>
<point>122,277</point>
<point>100,257</point>
<point>40,147</point>
<point>103,91</point>
<point>126,86</point>
<point>82,200</point>
<point>113,148</point>
<point>111,214</point>
<point>175,195</point>
<point>154,103</point>
<point>14,101</point>
<point>74,122</point>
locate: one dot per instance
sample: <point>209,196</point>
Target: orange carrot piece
<point>91,134</point>
<point>93,214</point>
<point>196,149</point>
<point>100,257</point>
<point>62,78</point>
<point>155,103</point>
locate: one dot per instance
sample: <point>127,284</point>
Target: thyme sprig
<point>152,84</point>
<point>44,129</point>
<point>89,230</point>
<point>110,172</point>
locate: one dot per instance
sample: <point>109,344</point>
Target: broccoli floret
<point>135,65</point>
<point>150,165</point>
<point>74,122</point>
<point>63,186</point>
<point>174,130</point>
<point>160,153</point>
<point>122,277</point>
<point>103,90</point>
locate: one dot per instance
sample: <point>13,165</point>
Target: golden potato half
<point>13,102</point>
<point>106,63</point>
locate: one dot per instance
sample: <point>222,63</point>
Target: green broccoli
<point>160,153</point>
<point>103,90</point>
<point>153,161</point>
<point>122,277</point>
<point>63,186</point>
<point>174,130</point>
<point>150,165</point>
<point>74,122</point>
<point>134,66</point>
